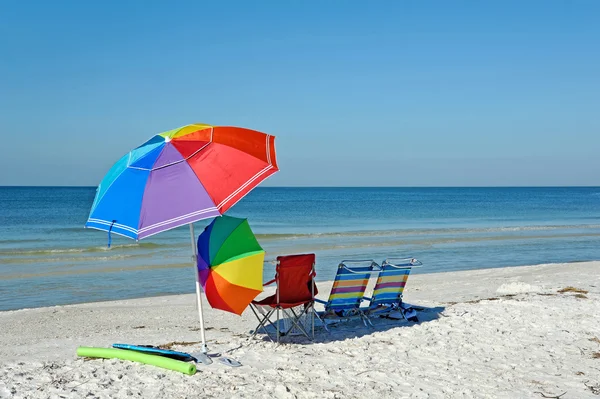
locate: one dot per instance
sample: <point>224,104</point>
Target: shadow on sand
<point>353,328</point>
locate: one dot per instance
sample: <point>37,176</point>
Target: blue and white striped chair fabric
<point>389,287</point>
<point>348,290</point>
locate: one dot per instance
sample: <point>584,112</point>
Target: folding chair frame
<point>309,307</point>
<point>407,263</point>
<point>357,309</point>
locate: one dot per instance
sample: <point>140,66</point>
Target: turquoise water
<point>48,258</point>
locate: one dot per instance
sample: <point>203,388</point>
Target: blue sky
<point>358,93</point>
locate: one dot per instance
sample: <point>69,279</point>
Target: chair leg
<point>402,313</point>
<point>366,320</point>
<point>296,322</point>
<point>312,319</point>
<point>322,322</point>
<point>261,325</point>
<point>278,325</point>
<point>262,322</point>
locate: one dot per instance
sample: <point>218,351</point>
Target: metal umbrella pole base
<point>204,357</point>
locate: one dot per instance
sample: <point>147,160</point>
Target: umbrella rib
<point>195,152</point>
<point>241,197</point>
<point>181,160</point>
<point>109,223</point>
<point>179,218</point>
<point>229,235</point>
<point>251,253</point>
<point>113,232</point>
<point>242,187</point>
<point>268,149</point>
<point>268,153</point>
<point>95,204</point>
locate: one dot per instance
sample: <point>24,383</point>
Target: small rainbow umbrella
<point>230,264</point>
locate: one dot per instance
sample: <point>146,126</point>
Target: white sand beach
<point>497,333</point>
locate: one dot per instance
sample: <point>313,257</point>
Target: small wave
<point>76,259</point>
<point>409,232</point>
<point>422,243</point>
<point>17,241</point>
<point>94,270</point>
<point>33,252</point>
<point>77,229</point>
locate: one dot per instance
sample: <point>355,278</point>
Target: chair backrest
<point>294,276</point>
<point>391,281</point>
<point>349,285</point>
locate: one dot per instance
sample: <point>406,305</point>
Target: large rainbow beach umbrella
<point>181,176</point>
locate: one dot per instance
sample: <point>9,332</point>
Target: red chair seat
<point>272,302</point>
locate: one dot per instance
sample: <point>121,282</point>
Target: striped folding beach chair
<point>347,291</point>
<point>388,290</point>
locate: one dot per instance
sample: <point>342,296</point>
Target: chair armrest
<point>269,282</point>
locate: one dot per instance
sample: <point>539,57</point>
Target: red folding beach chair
<point>294,276</point>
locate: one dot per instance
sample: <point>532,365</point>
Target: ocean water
<point>48,258</point>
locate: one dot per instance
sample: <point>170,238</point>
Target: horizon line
<point>339,186</point>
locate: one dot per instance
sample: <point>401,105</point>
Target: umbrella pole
<point>204,356</point>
